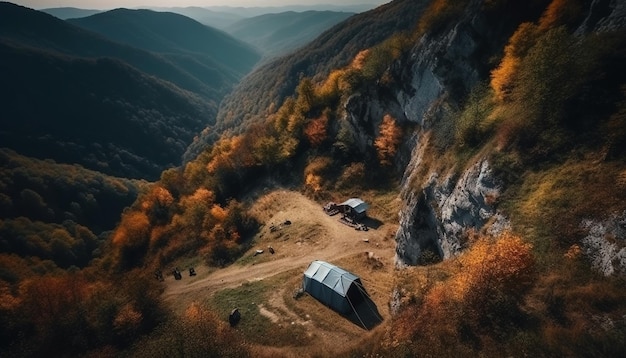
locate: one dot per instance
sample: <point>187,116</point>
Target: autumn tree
<point>316,131</point>
<point>388,141</point>
<point>157,204</point>
<point>504,76</point>
<point>495,276</point>
<point>316,171</point>
<point>131,238</point>
<point>305,96</point>
<point>562,12</point>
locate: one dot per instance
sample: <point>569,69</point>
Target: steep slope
<point>175,36</point>
<point>276,34</point>
<point>100,113</point>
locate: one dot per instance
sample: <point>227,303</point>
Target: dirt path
<point>311,235</point>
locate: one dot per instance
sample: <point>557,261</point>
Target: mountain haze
<point>176,37</point>
<point>254,11</point>
<point>65,13</point>
<point>276,34</point>
<point>206,16</point>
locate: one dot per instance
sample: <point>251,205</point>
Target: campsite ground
<point>263,286</point>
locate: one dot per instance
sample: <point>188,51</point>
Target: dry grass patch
<point>255,326</point>
<point>550,204</point>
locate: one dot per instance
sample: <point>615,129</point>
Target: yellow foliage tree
<point>495,275</point>
<point>388,140</point>
<point>560,12</point>
<point>504,76</point>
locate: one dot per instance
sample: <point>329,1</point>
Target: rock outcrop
<point>439,209</point>
<point>437,215</point>
<point>605,244</point>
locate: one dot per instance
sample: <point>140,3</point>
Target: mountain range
<point>81,97</point>
<point>277,34</point>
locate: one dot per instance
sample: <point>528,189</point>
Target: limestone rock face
<point>429,83</point>
<point>439,216</point>
<point>605,244</point>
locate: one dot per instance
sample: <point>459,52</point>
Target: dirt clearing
<point>299,232</point>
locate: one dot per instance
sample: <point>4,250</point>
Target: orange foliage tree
<point>561,12</point>
<point>157,204</point>
<point>316,131</point>
<point>482,294</point>
<point>495,275</point>
<point>504,76</point>
<point>131,238</point>
<point>388,140</point>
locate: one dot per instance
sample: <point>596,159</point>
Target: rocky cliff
<point>437,72</point>
<point>441,208</point>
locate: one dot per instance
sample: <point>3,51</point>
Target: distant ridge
<point>206,16</point>
<point>65,13</point>
<point>73,96</point>
<point>261,10</point>
<point>169,33</point>
<point>99,113</point>
<point>276,34</point>
<point>30,28</point>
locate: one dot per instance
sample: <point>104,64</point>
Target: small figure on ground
<point>234,317</point>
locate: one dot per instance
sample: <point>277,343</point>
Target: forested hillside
<point>334,48</point>
<point>77,97</point>
<point>209,55</point>
<point>498,128</point>
<point>100,113</point>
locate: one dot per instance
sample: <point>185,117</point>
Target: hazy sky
<point>111,4</point>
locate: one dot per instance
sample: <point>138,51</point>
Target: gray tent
<point>333,286</point>
<point>354,207</point>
